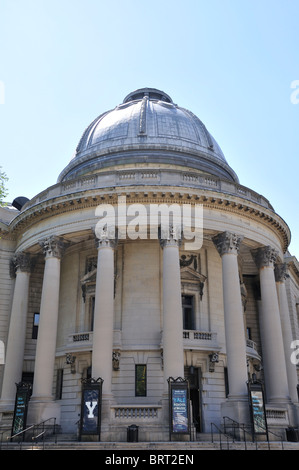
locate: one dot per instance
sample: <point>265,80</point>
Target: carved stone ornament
<point>53,246</point>
<point>170,236</point>
<point>22,262</point>
<point>71,360</point>
<point>188,260</point>
<point>227,242</point>
<point>264,256</point>
<point>115,360</point>
<point>281,272</point>
<point>213,358</point>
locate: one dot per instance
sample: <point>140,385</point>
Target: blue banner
<point>179,398</point>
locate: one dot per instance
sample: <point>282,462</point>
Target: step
<point>151,446</point>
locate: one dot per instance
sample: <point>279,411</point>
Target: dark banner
<point>21,406</point>
<point>90,421</point>
<point>179,406</point>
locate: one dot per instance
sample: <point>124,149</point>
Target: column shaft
<point>47,330</point>
<point>234,327</point>
<point>270,326</point>
<point>17,329</point>
<point>280,276</point>
<point>227,245</point>
<point>173,351</point>
<point>104,316</point>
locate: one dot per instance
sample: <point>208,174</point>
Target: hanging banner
<point>90,418</point>
<point>179,406</point>
<point>21,406</point>
<point>257,407</point>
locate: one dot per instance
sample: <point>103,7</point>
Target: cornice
<point>211,199</point>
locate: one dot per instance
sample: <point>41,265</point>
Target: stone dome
<point>147,127</point>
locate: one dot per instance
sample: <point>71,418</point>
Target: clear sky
<point>231,62</point>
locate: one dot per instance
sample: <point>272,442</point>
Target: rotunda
<point>148,270</point>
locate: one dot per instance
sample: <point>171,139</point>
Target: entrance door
<point>193,375</point>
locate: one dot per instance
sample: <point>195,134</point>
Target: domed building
<point>148,287</point>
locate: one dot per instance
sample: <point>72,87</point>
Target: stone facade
<point>75,304</point>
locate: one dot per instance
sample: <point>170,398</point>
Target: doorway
<point>194,377</point>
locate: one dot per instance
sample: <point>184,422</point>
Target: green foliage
<point>3,190</point>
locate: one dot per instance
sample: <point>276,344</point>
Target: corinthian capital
<point>21,262</point>
<point>106,238</point>
<point>281,272</point>
<point>53,246</point>
<point>227,242</point>
<point>264,256</point>
<point>170,235</point>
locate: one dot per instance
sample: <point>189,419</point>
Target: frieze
<point>54,206</point>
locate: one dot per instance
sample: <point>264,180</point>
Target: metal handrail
<point>34,426</point>
<point>240,426</point>
<point>220,432</point>
<point>35,438</point>
<point>274,434</point>
<point>267,431</point>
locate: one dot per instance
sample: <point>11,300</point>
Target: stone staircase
<point>69,442</point>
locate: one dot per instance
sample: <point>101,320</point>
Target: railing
<point>238,429</point>
<point>220,433</point>
<point>84,339</point>
<point>159,177</point>
<point>133,411</point>
<point>34,433</point>
<point>200,339</point>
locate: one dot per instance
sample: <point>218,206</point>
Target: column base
<point>7,405</point>
<point>41,409</point>
<point>236,409</point>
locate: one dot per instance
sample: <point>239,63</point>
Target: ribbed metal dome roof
<point>147,125</point>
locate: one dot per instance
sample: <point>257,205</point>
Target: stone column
<point>17,329</point>
<point>173,350</point>
<point>276,381</point>
<point>104,314</point>
<point>281,274</point>
<point>228,245</point>
<point>53,248</point>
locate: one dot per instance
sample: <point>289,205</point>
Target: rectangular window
<point>59,382</point>
<point>140,380</point>
<point>35,325</point>
<point>226,382</point>
<point>91,312</point>
<point>188,312</point>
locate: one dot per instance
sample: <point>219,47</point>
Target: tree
<point>3,189</point>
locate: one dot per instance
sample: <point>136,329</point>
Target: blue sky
<point>231,62</point>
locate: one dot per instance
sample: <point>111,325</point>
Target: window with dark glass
<point>188,312</point>
<point>35,325</point>
<point>59,384</point>
<point>140,380</point>
<point>91,312</point>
